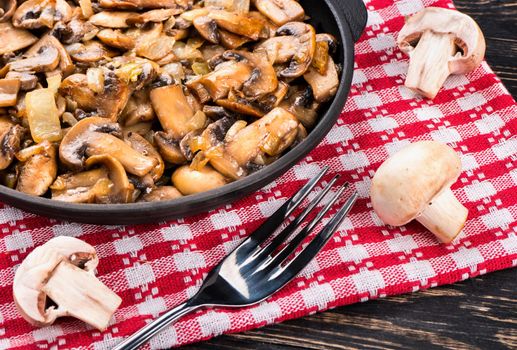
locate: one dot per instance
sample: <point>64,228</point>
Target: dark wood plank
<point>474,314</point>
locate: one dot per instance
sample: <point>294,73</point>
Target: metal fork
<point>256,269</point>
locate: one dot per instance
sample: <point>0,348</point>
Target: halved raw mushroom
<point>324,86</point>
<point>112,19</point>
<point>174,111</point>
<point>108,104</point>
<point>62,270</point>
<point>179,6</point>
<point>143,146</point>
<point>296,44</point>
<point>115,38</point>
<point>9,92</point>
<point>65,62</point>
<point>39,168</point>
<point>7,8</point>
<point>33,14</point>
<point>84,187</point>
<point>161,193</point>
<point>189,181</point>
<point>96,136</point>
<point>45,60</point>
<point>281,11</point>
<point>13,39</point>
<point>122,190</point>
<point>10,137</point>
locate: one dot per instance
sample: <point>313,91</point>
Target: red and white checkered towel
<point>155,267</point>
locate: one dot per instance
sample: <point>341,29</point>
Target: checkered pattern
<point>155,267</point>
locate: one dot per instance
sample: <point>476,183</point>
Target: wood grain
<point>475,314</point>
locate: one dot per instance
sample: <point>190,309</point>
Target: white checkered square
<point>128,244</point>
<point>139,275</point>
<point>266,312</point>
<point>402,244</point>
<point>213,323</point>
<point>467,257</point>
<point>419,271</point>
<point>225,220</point>
<point>176,233</point>
<point>368,281</point>
<point>189,260</point>
<point>319,295</point>
<point>18,241</point>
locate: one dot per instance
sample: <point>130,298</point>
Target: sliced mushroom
<point>161,193</point>
<point>39,168</point>
<point>281,11</point>
<point>325,45</point>
<point>238,24</point>
<point>112,19</point>
<point>33,14</point>
<point>7,8</point>
<point>227,76</point>
<point>27,80</point>
<point>115,38</point>
<point>301,103</point>
<point>156,48</point>
<point>84,187</point>
<point>169,148</point>
<point>108,104</point>
<point>207,28</point>
<point>143,146</point>
<point>296,44</point>
<point>159,15</point>
<point>178,6</point>
<point>10,137</point>
<point>9,92</point>
<point>74,31</point>
<point>92,51</point>
<point>230,40</point>
<point>189,181</point>
<point>324,86</point>
<point>122,190</point>
<point>96,136</point>
<point>65,62</point>
<point>45,60</point>
<point>174,111</point>
<point>138,109</point>
<point>13,39</point>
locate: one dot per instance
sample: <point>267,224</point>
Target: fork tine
<point>282,236</point>
<point>293,267</point>
<point>270,225</point>
<point>306,231</point>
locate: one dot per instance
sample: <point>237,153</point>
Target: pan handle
<point>355,14</point>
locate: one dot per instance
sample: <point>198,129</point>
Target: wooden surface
<point>475,314</point>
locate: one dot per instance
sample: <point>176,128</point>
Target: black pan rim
<point>146,212</point>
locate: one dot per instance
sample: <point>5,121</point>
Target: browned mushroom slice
<point>174,111</point>
<point>112,19</point>
<point>156,48</point>
<point>178,6</point>
<point>7,8</point>
<point>325,45</point>
<point>161,193</point>
<point>238,24</point>
<point>242,106</point>
<point>115,38</point>
<point>74,31</point>
<point>269,27</point>
<point>9,92</point>
<point>232,41</point>
<point>84,187</point>
<point>189,181</point>
<point>122,190</point>
<point>108,104</point>
<point>95,136</point>
<point>207,28</point>
<point>159,15</point>
<point>169,148</point>
<point>45,60</point>
<point>143,146</point>
<point>227,76</point>
<point>27,80</point>
<point>33,14</point>
<point>301,103</point>
<point>14,39</point>
<point>138,109</point>
<point>281,11</point>
<point>92,51</point>
<point>39,168</point>
<point>65,62</point>
<point>10,138</point>
<point>324,86</point>
<point>295,44</point>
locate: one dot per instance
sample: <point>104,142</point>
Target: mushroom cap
<point>467,35</point>
<point>33,272</point>
<point>408,181</point>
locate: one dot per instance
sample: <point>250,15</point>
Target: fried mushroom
<point>39,168</point>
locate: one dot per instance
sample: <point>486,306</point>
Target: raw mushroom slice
<point>281,11</point>
<point>7,8</point>
<point>11,135</point>
<point>39,168</point>
<point>13,39</point>
<point>415,184</point>
<point>97,136</point>
<point>62,270</point>
<point>439,42</point>
<point>189,181</point>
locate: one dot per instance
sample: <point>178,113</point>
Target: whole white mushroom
<point>415,184</point>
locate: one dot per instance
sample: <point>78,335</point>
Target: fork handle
<point>140,337</point>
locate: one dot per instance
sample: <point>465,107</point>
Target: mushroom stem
<point>429,63</point>
<point>445,216</point>
<point>82,295</point>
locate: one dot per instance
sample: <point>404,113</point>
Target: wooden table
<point>476,314</point>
